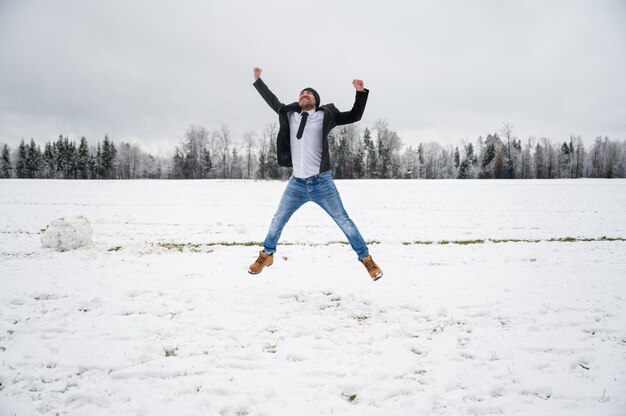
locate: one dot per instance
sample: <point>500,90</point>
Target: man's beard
<point>306,106</point>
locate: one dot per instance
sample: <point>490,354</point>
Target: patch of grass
<point>514,240</point>
<point>181,247</point>
<point>234,243</point>
<point>467,242</point>
<point>361,318</point>
<point>170,351</point>
<point>205,247</point>
<point>564,240</point>
<point>270,348</point>
<point>349,397</point>
<point>173,246</point>
<point>115,248</point>
<point>202,247</point>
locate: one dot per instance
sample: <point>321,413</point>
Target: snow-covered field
<point>159,316</point>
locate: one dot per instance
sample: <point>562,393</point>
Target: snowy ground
<point>157,318</point>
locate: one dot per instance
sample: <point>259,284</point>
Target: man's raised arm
<point>354,115</point>
<point>265,92</point>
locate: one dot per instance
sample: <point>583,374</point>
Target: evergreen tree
<point>60,156</point>
<point>72,158</point>
<point>189,166</point>
<point>457,158</point>
<point>469,154</point>
<point>207,163</point>
<point>564,161</point>
<point>83,159</point>
<point>464,168</point>
<point>33,162</point>
<point>108,157</point>
<point>99,170</point>
<point>178,166</point>
<point>5,162</point>
<point>357,159</point>
<point>340,155</point>
<point>420,159</point>
<point>272,162</point>
<point>490,154</point>
<point>93,167</point>
<point>49,160</point>
<point>261,170</point>
<point>21,163</point>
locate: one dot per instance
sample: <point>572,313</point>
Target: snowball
<point>67,233</point>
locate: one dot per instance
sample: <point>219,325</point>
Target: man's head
<point>309,99</point>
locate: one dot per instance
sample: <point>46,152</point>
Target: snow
<point>156,317</point>
<point>67,233</point>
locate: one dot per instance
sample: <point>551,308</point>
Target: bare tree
<point>510,152</point>
<point>527,159</point>
<point>249,141</point>
<point>223,149</point>
<point>192,151</point>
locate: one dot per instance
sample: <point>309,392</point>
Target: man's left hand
<point>358,84</point>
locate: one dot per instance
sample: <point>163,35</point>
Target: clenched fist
<point>358,84</point>
<point>257,72</point>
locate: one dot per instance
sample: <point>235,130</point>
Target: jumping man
<point>302,143</point>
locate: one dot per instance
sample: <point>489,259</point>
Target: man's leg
<point>293,198</point>
<point>327,197</point>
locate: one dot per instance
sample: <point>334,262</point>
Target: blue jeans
<point>321,190</point>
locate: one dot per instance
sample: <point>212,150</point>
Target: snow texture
<point>158,316</point>
<point>67,233</point>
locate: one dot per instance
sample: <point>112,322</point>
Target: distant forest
<point>376,153</point>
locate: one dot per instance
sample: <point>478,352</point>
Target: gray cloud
<point>143,71</point>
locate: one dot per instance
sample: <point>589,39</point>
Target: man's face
<point>306,100</point>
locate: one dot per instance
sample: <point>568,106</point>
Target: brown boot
<point>372,268</point>
<point>263,261</point>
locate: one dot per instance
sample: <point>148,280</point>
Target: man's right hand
<point>257,72</point>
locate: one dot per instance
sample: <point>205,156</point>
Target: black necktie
<point>302,124</point>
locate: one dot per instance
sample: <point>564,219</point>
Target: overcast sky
<point>143,71</point>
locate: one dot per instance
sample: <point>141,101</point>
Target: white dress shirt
<point>306,153</point>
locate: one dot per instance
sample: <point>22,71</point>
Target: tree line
<point>376,153</point>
